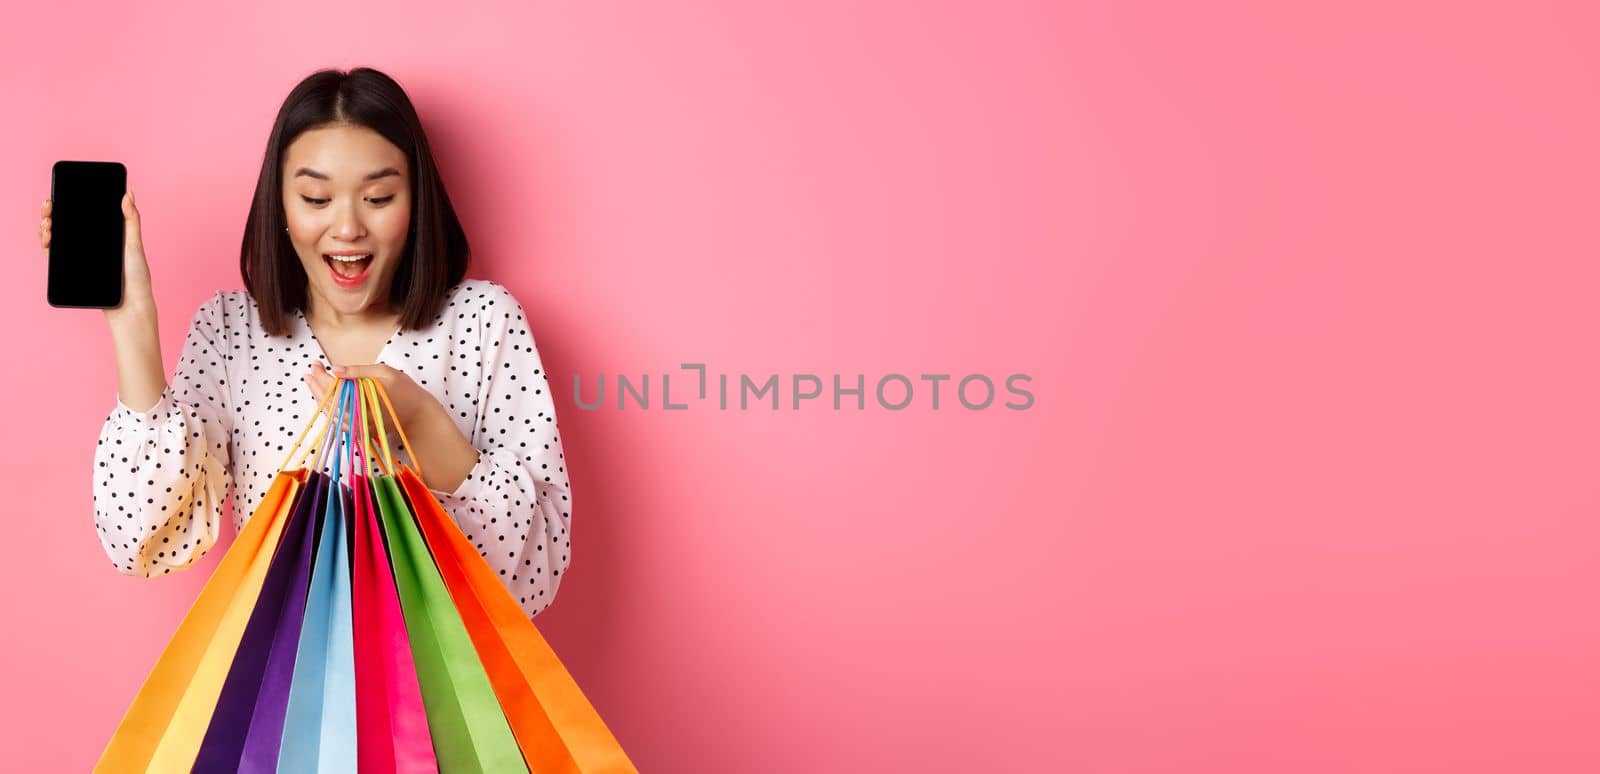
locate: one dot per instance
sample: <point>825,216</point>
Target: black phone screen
<point>86,234</point>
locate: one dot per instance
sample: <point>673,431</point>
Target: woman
<point>353,262</point>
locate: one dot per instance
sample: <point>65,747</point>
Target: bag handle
<point>301,437</point>
<point>383,393</point>
<point>342,442</point>
<point>371,392</point>
<point>383,458</point>
<point>371,460</point>
<point>362,449</point>
<point>330,442</point>
<point>376,391</point>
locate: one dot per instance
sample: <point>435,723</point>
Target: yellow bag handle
<point>364,435</point>
<point>322,409</point>
<point>375,391</point>
<point>384,457</point>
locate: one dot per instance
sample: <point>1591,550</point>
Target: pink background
<point>1308,299</point>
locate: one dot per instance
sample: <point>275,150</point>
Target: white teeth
<point>349,262</point>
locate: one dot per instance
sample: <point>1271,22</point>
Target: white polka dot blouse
<point>229,414</point>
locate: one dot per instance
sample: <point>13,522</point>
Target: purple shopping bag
<point>249,698</point>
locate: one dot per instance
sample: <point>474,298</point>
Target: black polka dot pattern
<point>229,414</point>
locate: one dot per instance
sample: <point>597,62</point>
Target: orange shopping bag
<point>163,728</point>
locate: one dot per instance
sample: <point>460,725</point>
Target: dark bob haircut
<point>436,254</point>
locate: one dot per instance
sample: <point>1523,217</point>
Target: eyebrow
<point>308,172</point>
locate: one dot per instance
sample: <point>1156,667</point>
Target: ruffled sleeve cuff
<point>155,417</point>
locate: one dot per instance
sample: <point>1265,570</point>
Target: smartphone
<point>86,234</point>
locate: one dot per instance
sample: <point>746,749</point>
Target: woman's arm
<point>438,446</point>
<point>515,503</point>
<point>163,466</point>
<point>141,378</point>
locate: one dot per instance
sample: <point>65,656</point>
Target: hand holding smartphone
<point>90,233</point>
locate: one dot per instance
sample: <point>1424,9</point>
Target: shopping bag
<point>469,730</point>
<point>245,732</point>
<point>267,729</point>
<point>555,725</point>
<point>391,723</point>
<point>253,696</point>
<point>163,727</point>
<point>352,627</point>
<point>320,725</point>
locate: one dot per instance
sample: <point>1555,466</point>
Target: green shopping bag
<point>470,732</point>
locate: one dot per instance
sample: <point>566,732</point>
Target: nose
<point>347,224</point>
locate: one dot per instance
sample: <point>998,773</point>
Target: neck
<point>375,316</point>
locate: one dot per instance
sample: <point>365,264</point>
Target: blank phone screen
<point>86,234</point>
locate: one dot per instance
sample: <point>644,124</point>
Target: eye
<point>382,199</point>
<point>313,202</point>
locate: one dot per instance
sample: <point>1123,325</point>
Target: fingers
<point>320,382</point>
<point>130,219</point>
<point>44,226</point>
<point>379,371</point>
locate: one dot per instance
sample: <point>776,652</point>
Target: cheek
<point>301,227</point>
<point>391,226</point>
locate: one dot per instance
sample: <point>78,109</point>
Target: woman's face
<point>346,190</point>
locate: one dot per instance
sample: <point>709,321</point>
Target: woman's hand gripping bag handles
<point>556,726</point>
<point>164,726</point>
<point>470,733</point>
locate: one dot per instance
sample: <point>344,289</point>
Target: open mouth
<point>348,269</point>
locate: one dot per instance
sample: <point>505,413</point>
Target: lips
<point>348,270</point>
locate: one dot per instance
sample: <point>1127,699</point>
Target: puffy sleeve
<point>516,504</point>
<point>161,476</point>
